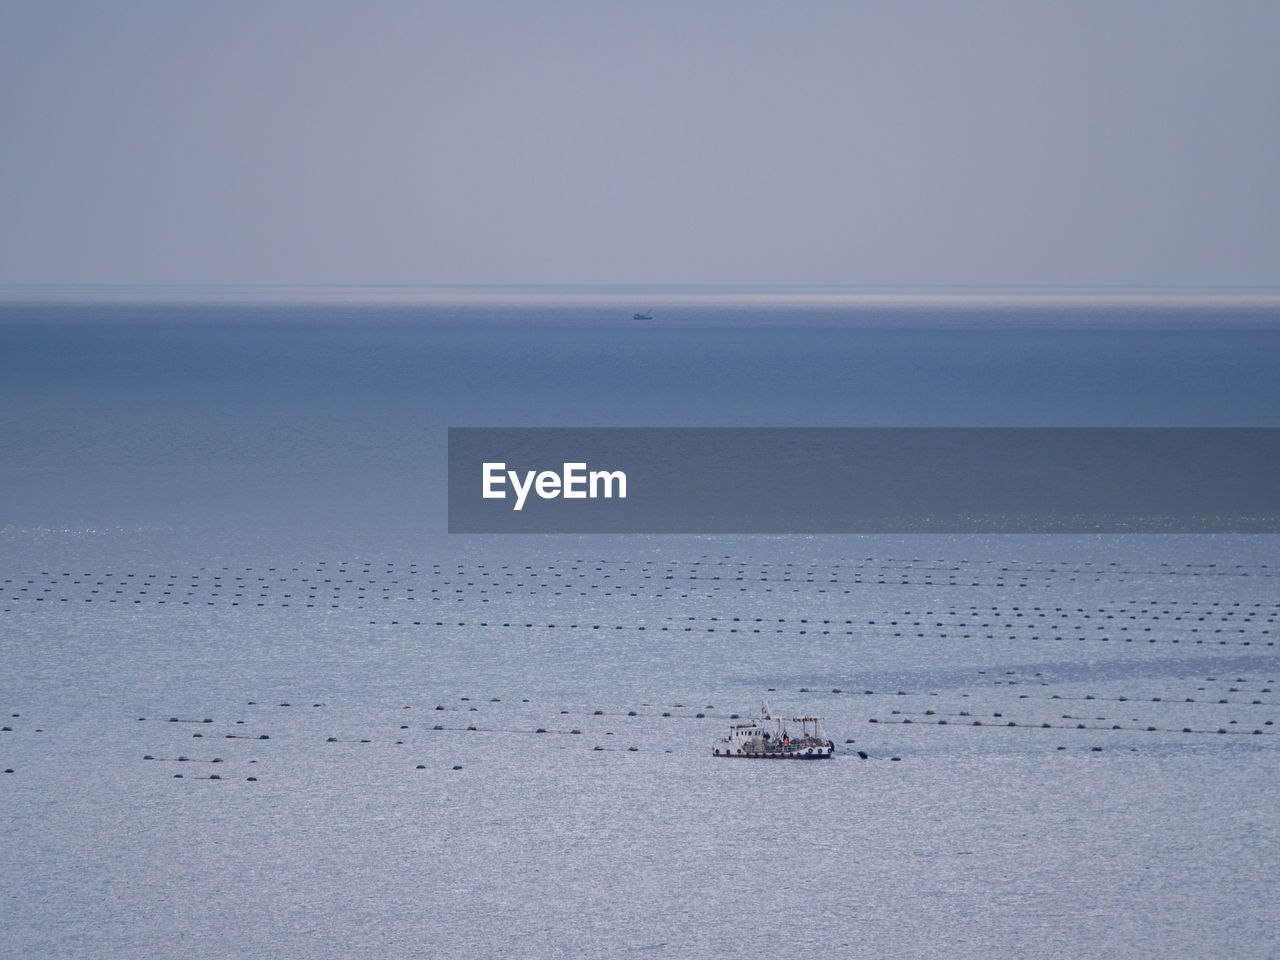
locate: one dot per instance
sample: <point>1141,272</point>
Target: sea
<point>258,702</point>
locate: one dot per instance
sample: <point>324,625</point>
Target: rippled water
<point>201,559</point>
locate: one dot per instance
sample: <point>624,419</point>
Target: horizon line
<point>878,294</point>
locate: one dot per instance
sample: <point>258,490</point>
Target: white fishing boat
<point>769,738</point>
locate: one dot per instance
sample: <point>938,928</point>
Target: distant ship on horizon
<point>647,315</point>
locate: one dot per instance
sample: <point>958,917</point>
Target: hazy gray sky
<point>895,143</point>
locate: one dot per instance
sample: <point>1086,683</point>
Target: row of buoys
<point>1078,726</point>
<point>1168,699</point>
<point>483,579</point>
<point>212,776</point>
<point>1177,609</point>
<point>346,566</point>
<point>241,589</point>
<point>442,728</point>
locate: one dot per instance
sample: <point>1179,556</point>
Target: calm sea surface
<point>330,417</point>
<point>258,703</point>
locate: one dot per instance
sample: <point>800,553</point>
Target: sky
<point>896,144</point>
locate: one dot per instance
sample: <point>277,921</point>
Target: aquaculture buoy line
<point>403,597</point>
<point>362,585</point>
<point>1172,710</point>
<point>1167,608</point>
<point>1073,723</point>
<point>409,727</point>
